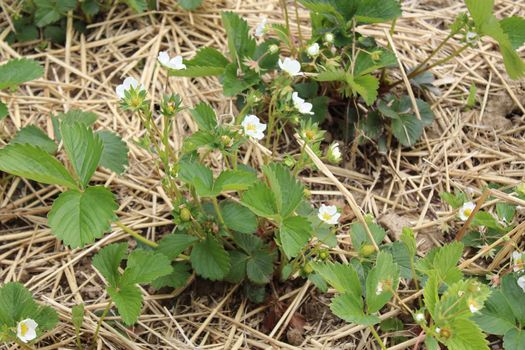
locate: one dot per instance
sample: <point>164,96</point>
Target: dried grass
<point>463,149</point>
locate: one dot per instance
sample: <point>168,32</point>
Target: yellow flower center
<point>467,212</point>
<point>23,328</point>
<point>309,134</point>
<point>327,216</point>
<point>251,127</point>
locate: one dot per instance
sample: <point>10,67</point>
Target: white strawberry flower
<point>253,127</point>
<point>419,317</point>
<point>302,106</point>
<point>329,38</point>
<point>334,153</point>
<point>290,66</point>
<point>518,261</point>
<point>313,50</point>
<point>466,210</point>
<point>261,27</point>
<point>329,214</point>
<point>126,85</point>
<point>438,330</point>
<point>521,283</point>
<point>26,330</point>
<point>473,306</point>
<point>172,63</point>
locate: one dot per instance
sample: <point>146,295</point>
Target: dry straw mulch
<point>463,150</point>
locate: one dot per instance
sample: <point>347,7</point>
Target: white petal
<point>130,82</point>
<point>521,283</point>
<point>120,91</point>
<point>163,57</point>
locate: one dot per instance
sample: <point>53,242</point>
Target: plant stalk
<point>378,338</point>
<point>136,235</point>
<point>99,323</point>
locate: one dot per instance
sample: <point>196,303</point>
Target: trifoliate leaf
<point>294,233</point>
<point>36,137</point>
<point>174,244</point>
<point>342,277</point>
<point>84,149</point>
<point>260,199</point>
<point>204,116</point>
<point>16,72</point>
<point>128,300</point>
<point>381,281</point>
<point>115,152</point>
<point>209,259</point>
<point>288,191</point>
<point>51,11</point>
<point>145,266</point>
<point>443,261</point>
<point>366,86</point>
<point>176,279</point>
<point>78,218</point>
<point>35,164</point>
<point>107,261</point>
<point>238,218</point>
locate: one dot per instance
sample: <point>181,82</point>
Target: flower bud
<point>367,250</point>
<point>273,49</point>
<point>329,38</point>
<point>185,214</point>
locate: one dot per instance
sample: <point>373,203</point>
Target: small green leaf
<point>145,266</point>
<point>366,86</point>
<point>176,279</point>
<point>454,200</point>
<point>204,116</point>
<point>294,233</point>
<point>51,11</point>
<point>78,218</point>
<point>234,83</point>
<point>260,199</point>
<point>190,5</point>
<point>350,309</point>
<point>36,137</point>
<point>332,75</point>
<point>174,244</point>
<point>84,149</point>
<point>207,62</point>
<point>342,277</point>
<point>233,180</point>
<point>407,237</point>
<point>360,236</point>
<point>381,281</point>
<point>443,261</point>
<point>115,152</point>
<point>238,217</point>
<point>128,300</point>
<point>240,43</point>
<point>197,175</point>
<point>505,211</point>
<point>35,164</point>
<point>209,259</point>
<point>77,316</point>
<point>288,191</point>
<point>107,261</point>
<point>16,72</point>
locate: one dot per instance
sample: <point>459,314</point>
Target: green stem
<point>299,31</point>
<point>380,342</point>
<point>99,323</point>
<point>218,211</point>
<point>287,19</point>
<point>271,121</point>
<point>136,235</point>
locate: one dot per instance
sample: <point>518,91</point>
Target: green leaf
<point>350,309</point>
<point>431,343</point>
<point>332,75</point>
<point>50,11</point>
<point>233,180</point>
<point>465,335</point>
<point>84,149</point>
<point>514,27</point>
<point>240,43</point>
<point>514,339</point>
<point>505,211</point>
<point>35,164</point>
<point>496,317</point>
<point>259,267</point>
<point>407,237</point>
<point>366,86</point>
<point>294,233</point>
<point>234,83</point>
<point>190,4</point>
<point>288,191</point>
<point>515,297</point>
<point>342,277</point>
<point>209,259</point>
<point>128,300</point>
<point>115,152</point>
<point>36,137</point>
<point>260,199</point>
<point>107,262</point>
<point>237,271</point>
<point>365,64</point>
<point>197,175</point>
<point>207,62</point>
<point>77,116</point>
<point>407,129</point>
<point>16,304</point>
<point>145,266</point>
<point>360,237</point>
<point>376,11</point>
<point>443,261</point>
<point>137,5</point>
<point>19,71</point>
<point>204,116</point>
<point>174,244</point>
<point>176,279</point>
<point>454,200</point>
<point>237,217</point>
<point>3,110</point>
<point>77,316</point>
<point>78,218</point>
<point>430,293</point>
<point>385,274</point>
